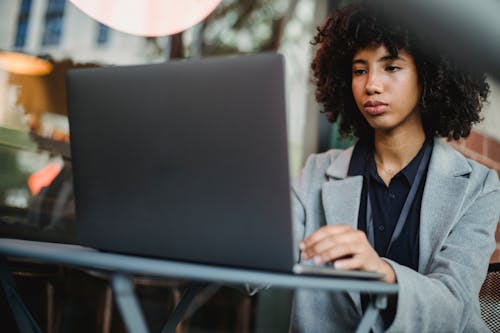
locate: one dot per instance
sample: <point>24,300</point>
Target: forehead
<point>380,51</point>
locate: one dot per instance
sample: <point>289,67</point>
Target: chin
<point>381,125</point>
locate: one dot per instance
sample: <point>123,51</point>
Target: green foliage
<point>245,26</point>
<point>11,175</point>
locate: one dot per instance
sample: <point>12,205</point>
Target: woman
<point>400,202</point>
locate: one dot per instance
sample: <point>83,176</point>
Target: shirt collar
<point>410,171</point>
<point>358,160</point>
<point>363,149</point>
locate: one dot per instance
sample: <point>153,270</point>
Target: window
<point>53,22</point>
<point>102,34</point>
<point>22,24</point>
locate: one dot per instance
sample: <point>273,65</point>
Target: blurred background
<point>40,40</point>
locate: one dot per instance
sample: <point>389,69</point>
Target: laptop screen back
<point>185,160</point>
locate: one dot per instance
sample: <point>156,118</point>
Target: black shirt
<point>387,203</point>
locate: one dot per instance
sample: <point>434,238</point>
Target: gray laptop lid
<point>184,160</point>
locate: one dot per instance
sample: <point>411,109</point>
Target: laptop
<point>186,160</point>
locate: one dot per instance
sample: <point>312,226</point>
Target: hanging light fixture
<point>21,63</point>
<point>148,17</point>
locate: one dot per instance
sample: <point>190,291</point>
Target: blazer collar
<point>340,166</point>
<point>447,161</point>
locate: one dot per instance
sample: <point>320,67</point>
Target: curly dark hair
<point>451,99</point>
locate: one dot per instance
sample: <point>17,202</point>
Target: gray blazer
<point>459,213</point>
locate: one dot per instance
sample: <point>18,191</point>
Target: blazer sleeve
<point>443,298</point>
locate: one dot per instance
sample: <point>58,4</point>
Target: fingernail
<point>338,264</point>
<point>302,246</point>
<point>317,260</point>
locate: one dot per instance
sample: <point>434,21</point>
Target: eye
<point>392,68</point>
<point>358,72</point>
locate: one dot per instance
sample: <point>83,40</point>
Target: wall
<point>491,124</point>
<point>486,150</point>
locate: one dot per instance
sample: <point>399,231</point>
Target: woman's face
<point>386,89</point>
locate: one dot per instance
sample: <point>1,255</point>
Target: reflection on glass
<point>36,192</point>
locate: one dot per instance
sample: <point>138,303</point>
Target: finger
<point>320,246</point>
<point>355,238</point>
<point>363,263</point>
<point>336,252</point>
<point>322,233</point>
<point>330,241</point>
<point>348,244</point>
<point>349,263</point>
<point>351,236</point>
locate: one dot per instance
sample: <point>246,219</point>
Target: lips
<point>375,108</point>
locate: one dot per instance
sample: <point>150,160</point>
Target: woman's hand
<point>347,248</point>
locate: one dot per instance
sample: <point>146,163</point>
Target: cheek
<point>411,89</point>
<point>415,94</point>
<point>357,92</point>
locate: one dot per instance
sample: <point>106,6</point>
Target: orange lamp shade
<point>20,63</point>
<point>148,17</point>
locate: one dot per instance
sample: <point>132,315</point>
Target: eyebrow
<point>382,59</point>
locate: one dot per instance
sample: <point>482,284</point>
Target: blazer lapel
<point>341,197</point>
<point>443,196</point>
<point>341,194</point>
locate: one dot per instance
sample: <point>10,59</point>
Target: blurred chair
<point>91,295</point>
<point>39,287</point>
<point>489,298</point>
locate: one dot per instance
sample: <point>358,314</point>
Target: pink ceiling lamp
<point>148,17</point>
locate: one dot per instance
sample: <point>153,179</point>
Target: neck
<point>393,151</point>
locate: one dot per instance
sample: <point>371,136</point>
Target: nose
<point>374,84</point>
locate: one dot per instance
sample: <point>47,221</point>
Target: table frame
<point>123,268</point>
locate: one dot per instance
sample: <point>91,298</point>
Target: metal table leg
<point>24,320</point>
<point>123,289</point>
<point>194,297</point>
<point>371,313</point>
